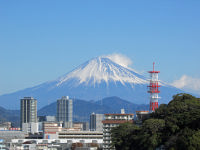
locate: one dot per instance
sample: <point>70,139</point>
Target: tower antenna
<point>153,89</point>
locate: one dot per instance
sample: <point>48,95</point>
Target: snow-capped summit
<point>102,69</point>
<point>101,77</point>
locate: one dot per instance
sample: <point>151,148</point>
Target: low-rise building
<point>50,130</point>
<point>83,126</point>
<point>55,131</point>
<point>81,136</point>
<point>51,144</point>
<point>7,135</point>
<point>141,115</point>
<point>5,125</point>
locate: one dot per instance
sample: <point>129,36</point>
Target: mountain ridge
<point>93,80</point>
<point>101,68</point>
<point>82,109</point>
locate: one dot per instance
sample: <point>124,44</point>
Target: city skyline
<point>41,41</point>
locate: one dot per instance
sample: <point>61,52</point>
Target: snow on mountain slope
<point>103,69</point>
<point>94,80</point>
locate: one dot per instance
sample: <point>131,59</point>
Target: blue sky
<point>42,40</point>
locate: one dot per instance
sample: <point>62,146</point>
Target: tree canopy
<point>174,126</point>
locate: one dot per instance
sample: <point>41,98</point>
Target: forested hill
<point>174,126</point>
<point>10,115</point>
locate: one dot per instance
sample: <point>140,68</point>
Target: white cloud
<point>188,83</point>
<point>120,59</point>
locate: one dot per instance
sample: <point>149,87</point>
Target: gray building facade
<point>65,111</point>
<point>96,122</point>
<point>28,114</point>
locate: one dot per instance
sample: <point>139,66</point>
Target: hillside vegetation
<point>173,126</point>
<point>10,116</point>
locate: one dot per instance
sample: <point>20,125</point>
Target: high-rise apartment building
<point>96,122</point>
<point>113,120</point>
<point>28,110</point>
<point>65,111</point>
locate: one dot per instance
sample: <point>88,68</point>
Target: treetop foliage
<point>174,126</point>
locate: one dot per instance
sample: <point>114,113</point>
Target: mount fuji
<point>93,80</point>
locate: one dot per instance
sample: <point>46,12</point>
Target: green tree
<point>151,133</point>
<point>124,135</point>
<point>175,125</point>
<point>194,141</point>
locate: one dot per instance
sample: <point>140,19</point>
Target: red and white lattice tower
<point>153,89</point>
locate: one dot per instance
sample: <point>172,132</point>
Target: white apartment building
<point>113,120</point>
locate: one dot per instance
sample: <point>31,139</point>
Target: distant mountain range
<point>81,109</point>
<point>95,79</point>
<point>10,116</point>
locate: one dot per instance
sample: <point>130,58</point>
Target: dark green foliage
<point>124,140</point>
<point>175,126</point>
<point>151,130</point>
